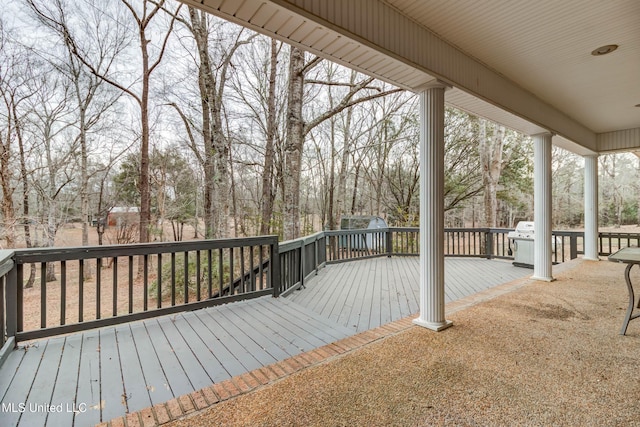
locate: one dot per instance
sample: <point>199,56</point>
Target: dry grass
<point>544,354</point>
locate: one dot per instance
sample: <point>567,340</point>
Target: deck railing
<point>336,246</point>
<point>610,242</point>
<point>490,243</point>
<point>7,309</point>
<point>299,259</point>
<point>88,287</point>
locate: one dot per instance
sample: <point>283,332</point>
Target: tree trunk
<point>206,85</point>
<point>84,185</point>
<point>6,172</point>
<point>217,154</point>
<point>490,150</point>
<point>268,193</point>
<point>293,146</point>
<point>8,213</point>
<point>84,176</point>
<point>344,167</point>
<point>145,191</point>
<point>25,207</point>
<point>354,196</point>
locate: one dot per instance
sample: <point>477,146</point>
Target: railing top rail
<point>6,261</point>
<point>22,256</point>
<point>405,229</point>
<point>356,231</point>
<point>567,233</point>
<point>301,241</point>
<point>619,234</point>
<point>478,229</point>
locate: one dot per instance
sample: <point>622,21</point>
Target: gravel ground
<point>544,354</point>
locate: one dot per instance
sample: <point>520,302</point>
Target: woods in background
<point>194,120</point>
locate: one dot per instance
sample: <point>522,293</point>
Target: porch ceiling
<point>525,64</point>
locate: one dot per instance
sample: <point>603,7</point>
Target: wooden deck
<point>85,378</point>
<point>365,294</point>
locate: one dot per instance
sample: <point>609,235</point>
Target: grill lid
<point>524,230</point>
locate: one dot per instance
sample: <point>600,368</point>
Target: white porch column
<point>432,209</point>
<point>542,207</point>
<point>591,207</point>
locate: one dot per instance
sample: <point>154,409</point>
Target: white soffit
<point>545,46</point>
<point>277,21</point>
<point>474,105</point>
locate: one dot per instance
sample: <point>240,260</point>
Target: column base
<point>590,258</point>
<point>434,326</point>
<point>543,279</point>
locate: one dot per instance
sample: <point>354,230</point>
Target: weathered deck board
<point>128,367</point>
<point>177,379</point>
<point>65,381</point>
<point>233,347</point>
<point>231,365</point>
<point>155,380</point>
<point>311,326</point>
<point>207,359</point>
<point>242,335</point>
<point>7,373</point>
<point>197,375</point>
<point>42,388</point>
<point>135,384</point>
<point>89,380</point>
<point>22,382</point>
<point>110,362</point>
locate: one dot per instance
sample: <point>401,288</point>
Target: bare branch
<point>346,103</point>
<point>62,28</point>
<point>166,38</point>
<point>309,65</point>
<point>187,125</point>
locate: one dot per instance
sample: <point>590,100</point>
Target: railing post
<point>3,314</point>
<point>12,301</point>
<point>302,250</point>
<point>600,244</point>
<point>488,244</point>
<point>389,235</point>
<point>315,255</point>
<point>573,246</point>
<point>274,268</point>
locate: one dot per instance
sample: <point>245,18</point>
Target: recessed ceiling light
<point>603,50</point>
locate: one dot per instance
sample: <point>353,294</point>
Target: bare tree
<point>91,103</point>
<point>298,128</point>
<point>490,145</point>
<point>143,15</point>
<point>268,181</point>
<point>13,74</point>
<point>256,84</point>
<point>213,153</point>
